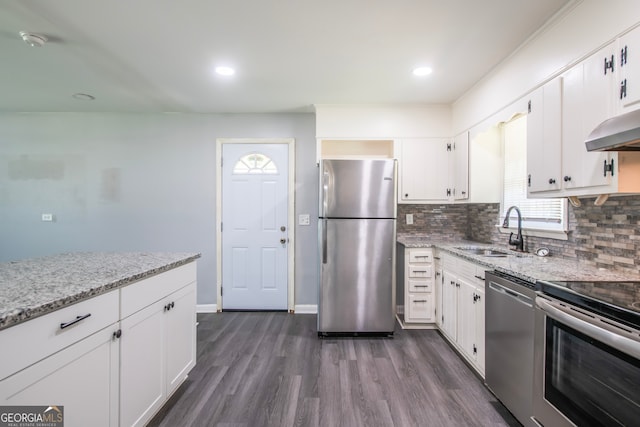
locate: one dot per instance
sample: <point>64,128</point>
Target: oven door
<point>587,369</point>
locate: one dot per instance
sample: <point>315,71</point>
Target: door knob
<point>283,240</point>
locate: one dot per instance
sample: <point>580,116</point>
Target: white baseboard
<point>306,309</point>
<point>206,308</point>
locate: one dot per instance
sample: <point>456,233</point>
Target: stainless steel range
<point>587,354</point>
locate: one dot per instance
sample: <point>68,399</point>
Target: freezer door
<point>357,280</point>
<point>358,188</point>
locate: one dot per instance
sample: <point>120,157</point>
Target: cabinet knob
<point>552,181</point>
<point>117,334</point>
<point>406,194</point>
<point>567,178</point>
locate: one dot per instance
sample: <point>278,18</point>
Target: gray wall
<point>137,182</point>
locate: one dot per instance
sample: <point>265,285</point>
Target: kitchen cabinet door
<point>544,138</point>
<point>449,305</point>
<point>466,317</point>
<point>142,376</point>
<point>83,378</point>
<point>439,281</point>
<point>587,101</point>
<point>628,82</point>
<point>180,336</point>
<point>479,349</point>
<point>424,170</point>
<point>460,182</point>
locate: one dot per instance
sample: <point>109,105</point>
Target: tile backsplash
<point>605,236</point>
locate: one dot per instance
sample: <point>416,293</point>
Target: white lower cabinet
<point>157,352</point>
<point>462,320</point>
<point>111,360</point>
<point>83,378</point>
<point>419,303</point>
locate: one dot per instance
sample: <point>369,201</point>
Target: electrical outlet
<point>409,219</point>
<point>303,219</point>
<point>47,217</point>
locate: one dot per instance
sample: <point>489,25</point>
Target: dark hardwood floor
<point>271,369</point>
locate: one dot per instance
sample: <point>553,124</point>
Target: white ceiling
<point>158,55</point>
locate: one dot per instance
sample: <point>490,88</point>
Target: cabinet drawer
<point>420,256</point>
<point>420,307</point>
<point>424,271</point>
<point>420,286</point>
<point>36,339</point>
<point>141,294</point>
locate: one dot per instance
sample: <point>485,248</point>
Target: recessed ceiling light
<point>32,39</point>
<point>225,71</point>
<point>83,97</point>
<point>422,71</point>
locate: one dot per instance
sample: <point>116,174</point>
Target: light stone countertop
<point>526,266</point>
<point>34,287</point>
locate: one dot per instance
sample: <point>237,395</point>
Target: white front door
<point>254,226</point>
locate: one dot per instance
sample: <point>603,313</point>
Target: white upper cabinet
<point>586,102</point>
<point>424,171</point>
<point>628,82</point>
<point>544,138</point>
<point>563,113</point>
<point>460,170</point>
<point>434,169</point>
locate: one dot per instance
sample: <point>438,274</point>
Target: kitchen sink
<point>488,252</point>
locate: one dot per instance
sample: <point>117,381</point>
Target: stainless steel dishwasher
<point>509,326</point>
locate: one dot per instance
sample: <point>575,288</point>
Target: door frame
<point>291,195</point>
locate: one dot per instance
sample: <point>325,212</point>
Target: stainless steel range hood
<point>620,133</point>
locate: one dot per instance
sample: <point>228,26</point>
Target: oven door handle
<point>600,333</point>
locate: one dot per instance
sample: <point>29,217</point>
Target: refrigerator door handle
<point>324,241</point>
<point>325,193</point>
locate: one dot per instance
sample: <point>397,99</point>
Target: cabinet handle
<point>479,277</point>
<point>623,89</point>
<point>608,167</point>
<point>457,285</point>
<point>567,178</point>
<point>436,257</point>
<point>422,256</point>
<point>117,334</point>
<point>453,283</point>
<point>74,321</point>
<point>169,306</point>
<point>419,271</point>
<point>437,273</point>
<point>552,181</point>
<point>419,300</point>
<point>420,286</point>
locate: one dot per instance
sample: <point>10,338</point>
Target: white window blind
<point>546,214</point>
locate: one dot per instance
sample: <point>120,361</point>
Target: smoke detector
<point>32,39</point>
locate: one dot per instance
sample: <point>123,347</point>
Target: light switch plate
<point>303,219</point>
<point>409,219</point>
<point>47,217</point>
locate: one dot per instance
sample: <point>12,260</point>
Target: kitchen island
<point>107,336</point>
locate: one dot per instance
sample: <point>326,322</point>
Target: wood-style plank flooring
<point>271,369</point>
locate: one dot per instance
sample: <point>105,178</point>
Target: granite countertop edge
<point>24,313</point>
<point>527,266</point>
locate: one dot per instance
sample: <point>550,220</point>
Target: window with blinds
<point>541,214</point>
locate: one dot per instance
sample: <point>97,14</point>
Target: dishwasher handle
<point>522,299</point>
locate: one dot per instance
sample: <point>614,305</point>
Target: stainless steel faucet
<point>518,242</point>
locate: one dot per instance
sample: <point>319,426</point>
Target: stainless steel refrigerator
<point>357,241</point>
